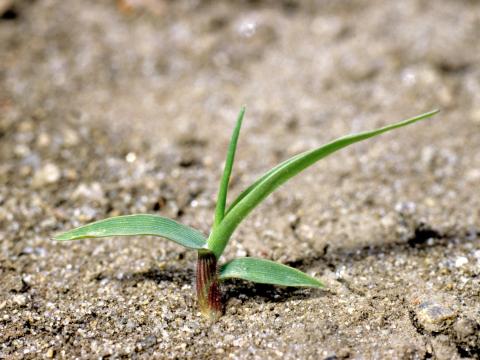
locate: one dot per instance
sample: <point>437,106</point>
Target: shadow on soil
<point>242,290</point>
<point>169,274</point>
<point>232,288</point>
<point>424,238</point>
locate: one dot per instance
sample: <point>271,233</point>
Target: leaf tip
<point>65,236</point>
<point>61,237</point>
<point>318,284</point>
<point>241,114</point>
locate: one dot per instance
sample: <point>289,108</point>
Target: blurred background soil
<point>119,107</point>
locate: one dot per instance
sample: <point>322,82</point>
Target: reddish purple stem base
<point>208,290</point>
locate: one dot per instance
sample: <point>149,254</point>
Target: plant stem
<point>208,289</point>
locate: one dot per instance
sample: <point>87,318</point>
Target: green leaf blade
<point>227,171</point>
<point>258,181</point>
<point>267,272</point>
<point>263,187</point>
<point>140,224</point>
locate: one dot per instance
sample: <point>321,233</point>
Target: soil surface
<point>120,107</point>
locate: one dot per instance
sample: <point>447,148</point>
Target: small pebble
<point>70,137</point>
<point>476,254</point>
<point>460,261</point>
<point>328,26</point>
<point>241,253</point>
<point>473,175</point>
<point>465,328</point>
<point>5,4</point>
<point>43,140</point>
<point>50,353</point>
<point>405,207</point>
<point>48,174</point>
<point>131,157</point>
<point>475,115</point>
<point>433,315</point>
<point>20,299</point>
<point>92,191</point>
<point>21,150</point>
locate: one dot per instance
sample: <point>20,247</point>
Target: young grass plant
<point>226,220</point>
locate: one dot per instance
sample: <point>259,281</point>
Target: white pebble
<point>460,261</point>
<point>20,299</point>
<point>476,254</point>
<point>48,174</point>
<point>131,157</point>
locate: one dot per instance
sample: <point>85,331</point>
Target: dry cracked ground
<point>119,107</point>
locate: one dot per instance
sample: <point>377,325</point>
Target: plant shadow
<point>243,290</point>
<point>424,238</point>
<point>232,289</point>
<point>180,276</point>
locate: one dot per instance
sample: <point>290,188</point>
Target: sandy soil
<point>111,108</point>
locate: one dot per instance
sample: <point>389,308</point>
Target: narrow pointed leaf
<point>267,272</point>
<point>255,194</point>
<point>227,171</point>
<point>141,224</point>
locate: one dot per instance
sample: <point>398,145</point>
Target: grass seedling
<point>226,220</point>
